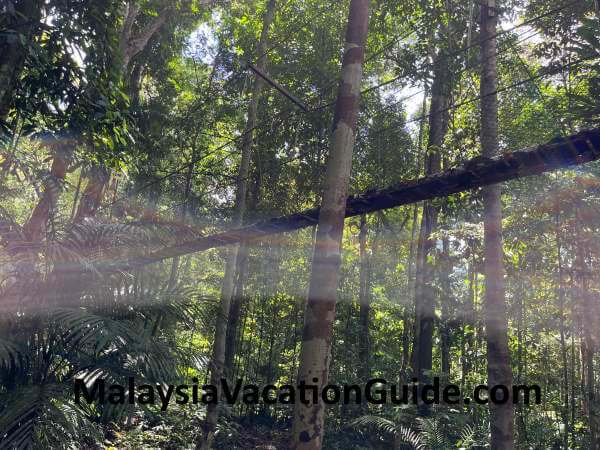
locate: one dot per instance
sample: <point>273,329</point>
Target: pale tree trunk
<point>228,285</point>
<point>447,322</point>
<point>563,345</point>
<point>319,315</point>
<point>496,322</point>
<point>425,300</point>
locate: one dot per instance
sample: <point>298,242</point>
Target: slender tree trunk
<point>364,303</point>
<point>496,322</point>
<point>469,320</point>
<point>227,289</point>
<point>588,345</point>
<point>563,345</point>
<point>404,370</point>
<point>414,267</point>
<point>418,289</point>
<point>271,282</point>
<point>521,355</point>
<point>235,308</point>
<point>573,360</point>
<point>425,292</point>
<point>445,331</point>
<point>239,298</point>
<point>301,304</point>
<point>425,306</point>
<point>315,354</point>
<point>183,214</point>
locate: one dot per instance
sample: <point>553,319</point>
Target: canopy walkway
<point>572,150</point>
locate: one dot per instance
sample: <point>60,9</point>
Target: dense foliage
<point>122,127</point>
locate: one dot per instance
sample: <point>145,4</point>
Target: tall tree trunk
<point>425,306</point>
<point>227,289</point>
<point>561,309</point>
<point>588,345</point>
<point>414,267</point>
<point>496,322</point>
<point>272,276</point>
<point>315,354</point>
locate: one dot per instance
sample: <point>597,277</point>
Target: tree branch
<point>134,45</point>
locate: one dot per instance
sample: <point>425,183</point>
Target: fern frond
<point>434,434</point>
<point>379,423</point>
<point>388,427</point>
<point>467,436</point>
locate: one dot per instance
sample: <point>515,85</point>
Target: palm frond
<point>37,412</point>
<point>81,327</point>
<point>86,324</point>
<point>10,354</point>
